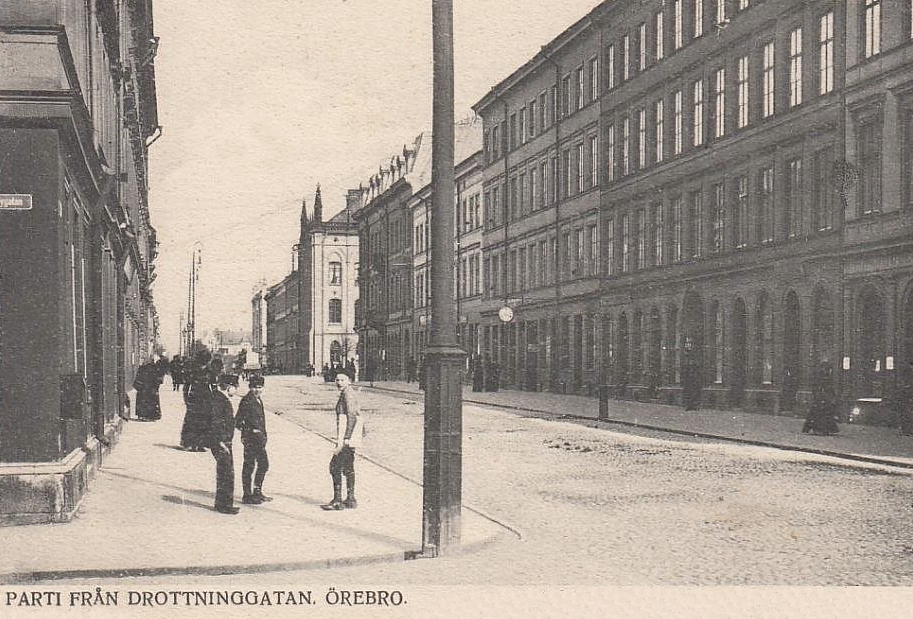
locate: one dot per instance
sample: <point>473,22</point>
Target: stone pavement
<point>854,442</point>
<point>149,512</point>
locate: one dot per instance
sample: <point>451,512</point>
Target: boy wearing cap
<point>221,433</point>
<point>251,420</point>
<point>348,438</point>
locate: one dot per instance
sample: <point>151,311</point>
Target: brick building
<point>78,112</point>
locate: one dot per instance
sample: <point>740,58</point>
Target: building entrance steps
<point>149,512</point>
<point>860,443</point>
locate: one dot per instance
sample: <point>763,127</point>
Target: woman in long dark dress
<point>822,414</point>
<point>146,383</point>
<point>198,399</point>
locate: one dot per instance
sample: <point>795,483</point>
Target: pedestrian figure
<point>221,433</point>
<point>251,420</point>
<point>146,383</point>
<point>348,438</point>
<point>176,370</point>
<point>822,413</point>
<point>478,375</point>
<point>198,401</point>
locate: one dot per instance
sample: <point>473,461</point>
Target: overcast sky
<point>260,101</point>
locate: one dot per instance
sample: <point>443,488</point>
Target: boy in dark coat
<point>251,420</point>
<point>221,433</point>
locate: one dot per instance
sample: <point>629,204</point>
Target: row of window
<point>467,276</point>
<point>650,134</point>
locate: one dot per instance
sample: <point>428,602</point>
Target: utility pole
<point>442,471</point>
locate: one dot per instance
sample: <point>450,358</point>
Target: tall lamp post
<point>196,260</point>
<point>442,471</point>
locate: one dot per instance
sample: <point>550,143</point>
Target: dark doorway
<point>792,368</point>
<point>621,358</point>
<point>693,364</point>
<point>870,347</point>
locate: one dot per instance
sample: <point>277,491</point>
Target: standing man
<point>221,433</point>
<point>348,438</point>
<point>251,420</point>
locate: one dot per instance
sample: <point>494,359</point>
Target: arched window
<point>336,273</point>
<point>764,323</point>
<point>335,311</point>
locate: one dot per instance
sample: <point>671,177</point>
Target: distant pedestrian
<point>221,433</point>
<point>198,402</point>
<point>348,438</point>
<point>146,383</point>
<point>822,413</point>
<point>176,369</point>
<point>251,420</point>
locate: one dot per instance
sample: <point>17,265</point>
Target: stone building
<point>722,184</point>
<point>78,113</point>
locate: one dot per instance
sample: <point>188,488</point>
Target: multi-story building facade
<point>724,184</point>
<point>77,115</point>
<point>541,188</point>
<point>384,219</point>
<point>467,245</point>
<point>328,267</point>
<point>282,325</point>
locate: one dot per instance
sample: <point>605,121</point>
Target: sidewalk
<point>149,512</point>
<point>856,442</point>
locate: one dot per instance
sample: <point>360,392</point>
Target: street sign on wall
<point>15,202</point>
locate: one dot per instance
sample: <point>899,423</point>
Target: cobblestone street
<point>602,507</point>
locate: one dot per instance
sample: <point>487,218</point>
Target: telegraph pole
<point>442,471</point>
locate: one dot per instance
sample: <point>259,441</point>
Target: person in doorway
<point>251,420</point>
<point>348,438</point>
<point>221,433</point>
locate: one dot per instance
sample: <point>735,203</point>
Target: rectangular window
<point>553,105</point>
<point>642,46</point>
<point>740,225</point>
<point>566,93</point>
<point>641,239</point>
<point>512,140</point>
<point>794,212</point>
<point>594,161</point>
<point>533,118</point>
<point>677,122</point>
<point>625,245</point>
<point>767,94</point>
<point>696,225</point>
<point>795,67</point>
<point>765,205</point>
<point>743,114</point>
<point>626,146</point>
<point>522,284</point>
<point>698,18</point>
<point>580,161</point>
<point>566,267</point>
<point>869,154</point>
<point>743,4</point>
<point>580,259</point>
<point>823,192</point>
<point>677,24</point>
<point>521,194</point>
<point>658,131</point>
<point>826,54</point>
<point>533,188</point>
<point>594,78</point>
<point>658,36</point>
<point>543,112</point>
<point>553,181</point>
<point>566,173</point>
<point>543,183</point>
<point>717,241</point>
<point>610,153</point>
<point>676,208</point>
<point>625,57</point>
<point>521,126</point>
<point>657,233</point>
<point>698,114</point>
<point>721,12</point>
<point>581,90</point>
<point>641,139</point>
<point>610,66</point>
<point>872,34</point>
<point>610,246</point>
<point>594,250</point>
<point>719,97</point>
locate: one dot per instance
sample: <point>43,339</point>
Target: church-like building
<point>328,270</point>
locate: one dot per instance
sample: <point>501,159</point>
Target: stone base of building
<point>42,492</point>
